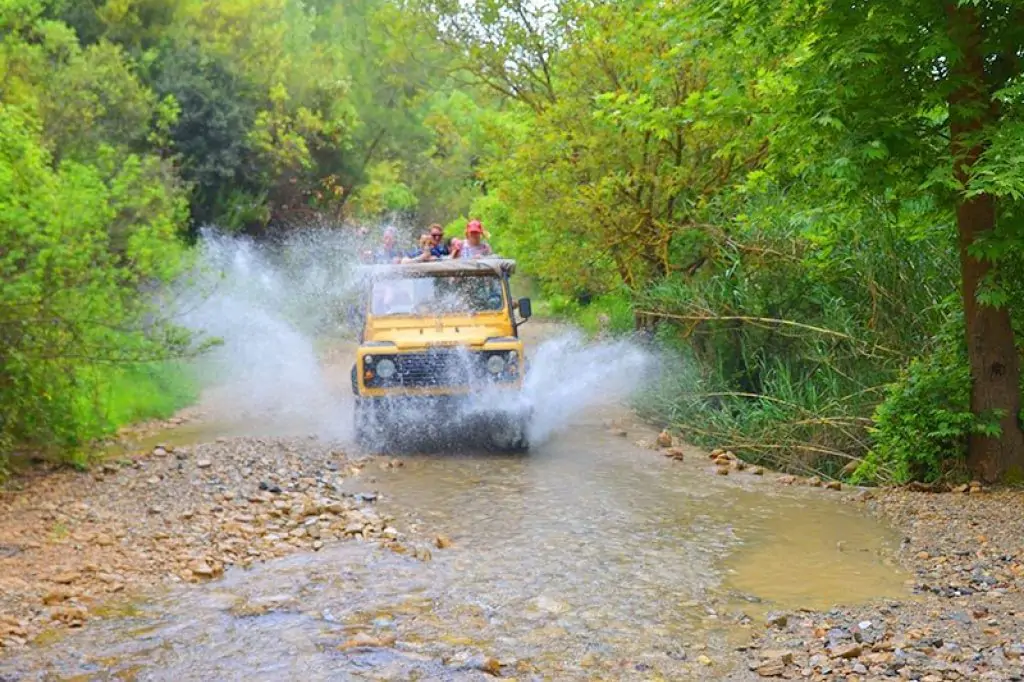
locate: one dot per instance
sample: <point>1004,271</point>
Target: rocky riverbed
<point>74,545</point>
<point>964,621</point>
<point>71,542</point>
<point>964,547</point>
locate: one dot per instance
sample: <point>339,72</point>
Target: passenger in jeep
<point>475,246</point>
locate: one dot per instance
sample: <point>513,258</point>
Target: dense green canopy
<point>817,204</point>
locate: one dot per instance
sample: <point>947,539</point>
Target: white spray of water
<point>276,307</point>
<point>567,376</point>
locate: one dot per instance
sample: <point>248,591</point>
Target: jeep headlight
<point>386,368</point>
<point>496,364</point>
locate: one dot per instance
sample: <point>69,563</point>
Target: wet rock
<point>787,479</point>
<point>442,542</point>
<point>813,481</point>
<point>777,620</point>
<point>201,569</point>
<point>487,664</point>
<point>674,453</point>
<point>722,470</point>
<point>363,640</point>
<point>665,440</point>
<point>757,471</point>
<point>834,485</point>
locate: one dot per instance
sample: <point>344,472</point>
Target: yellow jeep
<point>439,348</point>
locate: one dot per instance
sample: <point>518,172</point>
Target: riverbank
<point>965,620</point>
<point>963,617</point>
<point>71,542</point>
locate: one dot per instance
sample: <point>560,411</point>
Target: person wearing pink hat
<point>475,246</point>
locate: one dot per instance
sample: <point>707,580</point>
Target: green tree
<point>915,96</point>
<point>71,304</point>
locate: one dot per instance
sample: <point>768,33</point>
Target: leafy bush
<point>80,241</point>
<point>922,426</point>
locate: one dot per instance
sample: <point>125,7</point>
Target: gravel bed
<point>72,541</point>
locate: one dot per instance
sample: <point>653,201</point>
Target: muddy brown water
<point>588,558</point>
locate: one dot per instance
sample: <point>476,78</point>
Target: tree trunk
<point>994,362</point>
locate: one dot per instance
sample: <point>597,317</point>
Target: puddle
<point>813,554</point>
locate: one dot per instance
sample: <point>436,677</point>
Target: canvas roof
<point>441,268</point>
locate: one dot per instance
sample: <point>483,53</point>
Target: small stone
<point>704,660</point>
<point>442,542</point>
<point>757,471</point>
<point>70,615</point>
<point>103,540</point>
<point>722,471</point>
<point>787,479</point>
<point>317,545</point>
<point>814,482</point>
<point>786,657</point>
<point>771,668</point>
<point>834,485</point>
<point>159,451</point>
<point>621,433</point>
<point>847,651</point>
<point>777,620</point>
<point>67,577</point>
<point>204,464</point>
<point>665,440</point>
<point>61,594</point>
<point>201,569</point>
<point>674,453</point>
<point>487,664</point>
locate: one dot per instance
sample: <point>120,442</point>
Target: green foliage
<point>135,393</point>
<point>773,181</point>
<point>922,426</point>
<point>69,300</point>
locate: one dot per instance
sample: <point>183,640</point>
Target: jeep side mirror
<point>524,308</point>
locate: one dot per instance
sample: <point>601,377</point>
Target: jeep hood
<point>410,333</point>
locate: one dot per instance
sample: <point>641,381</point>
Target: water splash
<point>278,307</point>
<point>568,376</point>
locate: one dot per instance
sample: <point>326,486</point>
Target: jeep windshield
<point>437,296</point>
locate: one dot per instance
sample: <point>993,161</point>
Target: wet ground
<point>588,558</point>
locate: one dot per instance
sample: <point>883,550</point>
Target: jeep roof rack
<point>440,268</point>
